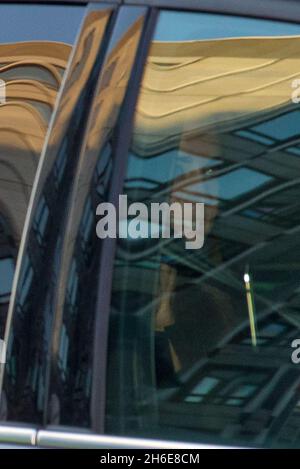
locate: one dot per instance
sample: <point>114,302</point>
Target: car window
<point>29,324</point>
<point>74,396</point>
<point>200,342</point>
<point>51,369</point>
<point>35,44</point>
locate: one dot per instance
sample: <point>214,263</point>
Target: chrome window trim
<point>28,437</point>
<point>55,439</point>
<point>18,435</point>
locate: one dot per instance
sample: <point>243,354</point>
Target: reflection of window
<point>11,363</point>
<point>171,164</point>
<point>87,223</point>
<point>57,255</point>
<point>293,150</point>
<point>231,185</point>
<point>248,134</point>
<point>72,285</point>
<point>281,128</point>
<point>271,333</point>
<point>43,54</point>
<point>205,385</point>
<point>181,311</point>
<point>63,351</point>
<point>240,393</point>
<point>30,72</point>
<point>232,387</point>
<point>40,219</point>
<point>25,281</point>
<point>272,330</point>
<point>203,388</point>
<point>103,171</point>
<point>6,278</point>
<point>61,161</point>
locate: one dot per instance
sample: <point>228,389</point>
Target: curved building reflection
<point>193,349</point>
<point>215,124</point>
<point>32,73</point>
<point>56,299</point>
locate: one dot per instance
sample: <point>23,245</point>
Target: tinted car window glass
<point>75,365</point>
<point>35,44</point>
<point>29,323</point>
<point>200,340</point>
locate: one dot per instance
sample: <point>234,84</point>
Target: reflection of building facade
<point>32,73</point>
<point>215,124</point>
<point>223,108</point>
<point>227,106</point>
<point>191,87</point>
<point>76,307</point>
<point>247,127</point>
<point>220,140</point>
<point>63,257</point>
<point>34,305</point>
<point>241,393</point>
